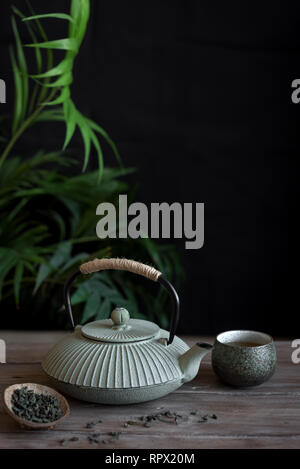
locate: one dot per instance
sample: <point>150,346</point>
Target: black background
<point>197,96</point>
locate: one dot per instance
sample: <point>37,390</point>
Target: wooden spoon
<point>39,389</point>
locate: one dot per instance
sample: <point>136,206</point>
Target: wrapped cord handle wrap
<point>120,264</point>
<point>131,266</point>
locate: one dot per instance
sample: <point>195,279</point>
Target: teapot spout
<point>190,361</point>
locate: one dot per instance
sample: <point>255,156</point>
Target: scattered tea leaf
<point>93,423</point>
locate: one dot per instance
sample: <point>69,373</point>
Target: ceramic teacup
<point>244,358</point>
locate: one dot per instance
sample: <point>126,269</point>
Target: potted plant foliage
<point>47,203</point>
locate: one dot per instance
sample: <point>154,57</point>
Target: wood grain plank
<point>258,417</point>
<point>51,440</point>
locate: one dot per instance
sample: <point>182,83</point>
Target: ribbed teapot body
<point>80,361</point>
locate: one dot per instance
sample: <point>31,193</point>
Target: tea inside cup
<point>244,338</point>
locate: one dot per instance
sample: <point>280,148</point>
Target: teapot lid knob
<point>120,316</point>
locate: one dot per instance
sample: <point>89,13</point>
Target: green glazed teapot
<point>122,360</point>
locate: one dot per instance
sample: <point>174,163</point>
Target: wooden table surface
<point>266,416</point>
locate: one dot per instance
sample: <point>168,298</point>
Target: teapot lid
<point>120,328</point>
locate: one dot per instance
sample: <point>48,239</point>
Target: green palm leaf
<point>64,79</point>
<point>22,66</point>
<point>62,16</point>
<point>17,281</point>
<point>33,36</point>
<point>69,43</point>
<point>55,93</point>
<point>104,134</point>
<point>70,120</point>
<point>99,153</point>
<point>80,12</point>
<point>43,91</point>
<point>60,256</point>
<point>63,66</point>
<point>64,95</point>
<point>18,101</point>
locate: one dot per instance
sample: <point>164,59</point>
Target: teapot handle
<point>131,266</point>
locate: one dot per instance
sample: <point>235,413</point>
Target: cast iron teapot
<point>122,360</point>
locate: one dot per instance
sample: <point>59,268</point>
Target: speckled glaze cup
<point>241,365</point>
